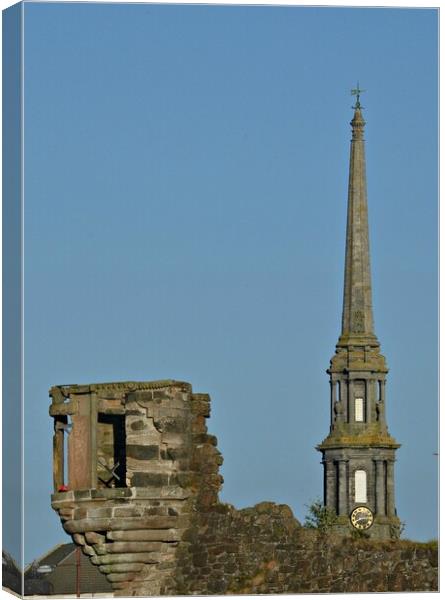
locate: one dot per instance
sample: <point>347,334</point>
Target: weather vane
<point>356,92</point>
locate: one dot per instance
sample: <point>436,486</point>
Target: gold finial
<point>356,92</point>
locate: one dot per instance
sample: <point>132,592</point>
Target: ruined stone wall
<point>141,499</point>
<point>264,550</point>
<point>131,521</point>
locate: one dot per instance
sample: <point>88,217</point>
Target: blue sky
<point>185,209</point>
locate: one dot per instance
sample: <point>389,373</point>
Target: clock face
<point>362,517</point>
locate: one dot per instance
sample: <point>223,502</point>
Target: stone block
<point>179,452</point>
<point>121,536</point>
<point>129,557</point>
<point>100,548</point>
<point>164,394</point>
<point>62,497</point>
<point>182,479</point>
<point>199,425</point>
<point>143,452</point>
<point>160,522</point>
<point>138,425</point>
<point>121,568</point>
<point>145,535</point>
<point>66,513</point>
<point>79,539</point>
<point>112,577</point>
<point>140,479</point>
<point>170,424</point>
<point>199,559</point>
<point>94,538</point>
<point>175,492</point>
<point>133,547</point>
<point>88,550</point>
<point>204,438</point>
<point>111,493</point>
<point>264,507</point>
<point>128,511</point>
<point>94,513</point>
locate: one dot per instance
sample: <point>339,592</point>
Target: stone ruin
<point>136,485</point>
<point>139,463</point>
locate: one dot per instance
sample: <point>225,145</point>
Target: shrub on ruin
<point>320,517</point>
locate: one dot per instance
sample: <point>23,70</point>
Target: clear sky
<point>186,177</point>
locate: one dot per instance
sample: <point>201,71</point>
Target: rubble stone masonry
<point>140,497</point>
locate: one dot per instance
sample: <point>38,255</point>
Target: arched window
<point>360,486</point>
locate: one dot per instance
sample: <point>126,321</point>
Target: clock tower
<point>359,453</point>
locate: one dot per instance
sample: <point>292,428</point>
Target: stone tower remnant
<point>140,464</point>
<point>359,453</point>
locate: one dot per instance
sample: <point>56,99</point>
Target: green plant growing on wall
<point>396,530</point>
<point>359,534</point>
<point>320,517</point>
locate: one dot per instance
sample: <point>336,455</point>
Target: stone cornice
<point>127,386</point>
<point>362,441</point>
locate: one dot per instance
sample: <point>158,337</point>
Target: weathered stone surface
<point>232,547</point>
<point>127,557</point>
<point>112,577</point>
<point>112,493</point>
<point>358,447</point>
<point>150,479</point>
<point>169,534</point>
<point>112,524</point>
<point>134,547</point>
<point>94,538</point>
<point>141,452</point>
<point>67,408</point>
<point>171,424</point>
<point>138,425</point>
<point>152,522</point>
<point>89,550</point>
<point>121,568</point>
<point>79,539</point>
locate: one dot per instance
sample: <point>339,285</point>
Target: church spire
<point>359,453</point>
<point>357,320</point>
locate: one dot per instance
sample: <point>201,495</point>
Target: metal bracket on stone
<point>111,471</point>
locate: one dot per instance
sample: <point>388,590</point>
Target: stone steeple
<point>357,321</point>
<point>359,453</point>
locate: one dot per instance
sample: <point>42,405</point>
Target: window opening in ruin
<point>360,486</point>
<point>111,454</point>
<point>62,428</point>
<point>66,432</point>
